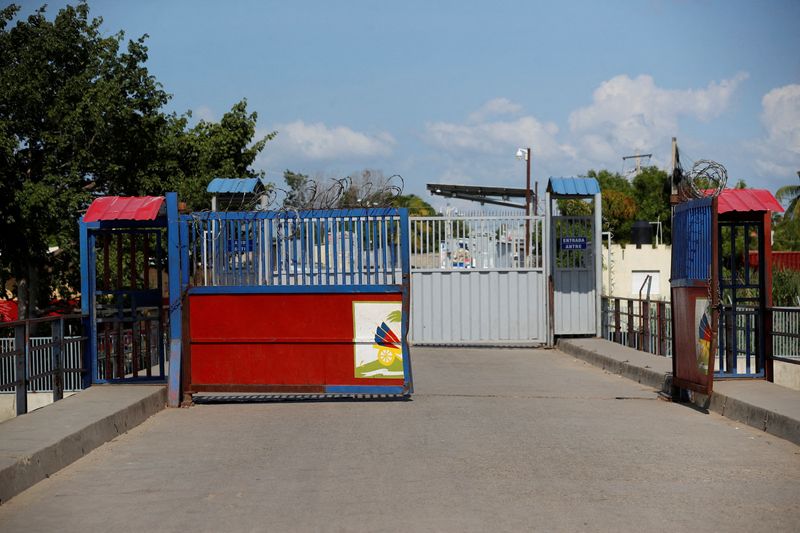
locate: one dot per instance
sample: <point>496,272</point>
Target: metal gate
<point>575,264</point>
<point>122,260</point>
<point>308,301</point>
<point>741,286</point>
<point>478,279</point>
<point>574,276</point>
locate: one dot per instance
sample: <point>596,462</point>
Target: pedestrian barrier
<point>308,301</point>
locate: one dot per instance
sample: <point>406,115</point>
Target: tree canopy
<point>80,115</point>
<point>645,197</point>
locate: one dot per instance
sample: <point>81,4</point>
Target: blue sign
<point>573,243</point>
<point>240,245</point>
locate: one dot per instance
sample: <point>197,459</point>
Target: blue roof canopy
<point>235,185</point>
<point>573,186</point>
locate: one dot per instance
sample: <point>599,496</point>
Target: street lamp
<point>525,153</point>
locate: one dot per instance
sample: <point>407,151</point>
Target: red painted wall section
<point>276,339</point>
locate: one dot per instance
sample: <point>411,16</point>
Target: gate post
<point>21,361</point>
<point>89,362</point>
<point>548,267</point>
<point>597,257</point>
<point>175,322</point>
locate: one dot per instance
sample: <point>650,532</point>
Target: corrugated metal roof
<point>574,186</point>
<point>747,200</point>
<point>124,208</point>
<point>234,185</point>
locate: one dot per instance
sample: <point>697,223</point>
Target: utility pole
<point>674,196</point>
<point>638,157</point>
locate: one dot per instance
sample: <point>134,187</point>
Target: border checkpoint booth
<point>313,302</point>
<point>576,268</point>
<point>720,297</point>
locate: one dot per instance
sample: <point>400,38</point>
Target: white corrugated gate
<point>479,280</point>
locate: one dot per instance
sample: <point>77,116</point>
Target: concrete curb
<point>634,366</point>
<point>755,416</point>
<point>20,471</point>
<point>644,375</point>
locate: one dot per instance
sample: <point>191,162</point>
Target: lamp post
<point>525,153</point>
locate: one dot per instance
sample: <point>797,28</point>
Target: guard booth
<point>258,301</point>
<point>575,261</point>
<point>745,290</point>
<point>719,298</point>
<point>123,257</point>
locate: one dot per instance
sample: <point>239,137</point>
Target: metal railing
<point>35,363</point>
<point>638,323</point>
<point>119,357</point>
<point>785,326</point>
<point>486,242</point>
<point>311,248</point>
<point>624,322</point>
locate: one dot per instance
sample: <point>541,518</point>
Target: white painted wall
<point>36,400</point>
<point>630,266</point>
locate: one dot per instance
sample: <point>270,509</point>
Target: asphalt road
<point>493,440</point>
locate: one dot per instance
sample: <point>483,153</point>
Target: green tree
<point>619,204</point>
<point>652,188</point>
<point>417,207</point>
<point>80,115</point>
<point>298,189</point>
<point>790,194</point>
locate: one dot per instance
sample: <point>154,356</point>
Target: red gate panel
<point>276,342</point>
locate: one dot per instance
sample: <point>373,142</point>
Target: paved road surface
<point>493,440</point>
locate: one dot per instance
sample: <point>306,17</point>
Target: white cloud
<point>493,108</point>
<point>497,136</point>
<point>778,154</point>
<point>635,114</point>
<point>316,141</point>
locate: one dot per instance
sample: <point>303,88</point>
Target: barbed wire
<point>706,178</point>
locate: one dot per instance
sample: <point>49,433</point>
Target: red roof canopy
<point>748,200</point>
<point>125,208</point>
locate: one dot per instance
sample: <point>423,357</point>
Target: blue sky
<point>447,91</point>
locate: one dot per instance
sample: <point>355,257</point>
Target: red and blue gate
<point>294,302</point>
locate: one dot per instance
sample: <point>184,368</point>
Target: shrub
<point>786,287</point>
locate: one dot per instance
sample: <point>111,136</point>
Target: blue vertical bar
<point>184,240</point>
<point>286,255</point>
<point>376,241</point>
<point>279,251</point>
<point>405,259</point>
<point>343,247</point>
<point>334,236</point>
<point>319,251</point>
<point>384,243</point>
<point>352,269</point>
<point>360,247</point>
<point>174,265</point>
<point>367,246</point>
<point>88,306</point>
<point>271,255</point>
<point>327,252</point>
<point>303,249</point>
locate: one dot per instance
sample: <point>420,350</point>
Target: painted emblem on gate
<point>378,349</point>
<point>704,335</point>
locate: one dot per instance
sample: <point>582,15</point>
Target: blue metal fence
<point>691,254</point>
<point>331,248</point>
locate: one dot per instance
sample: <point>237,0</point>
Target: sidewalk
<point>757,403</point>
<point>35,445</point>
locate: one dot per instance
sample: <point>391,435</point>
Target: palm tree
<point>790,193</point>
